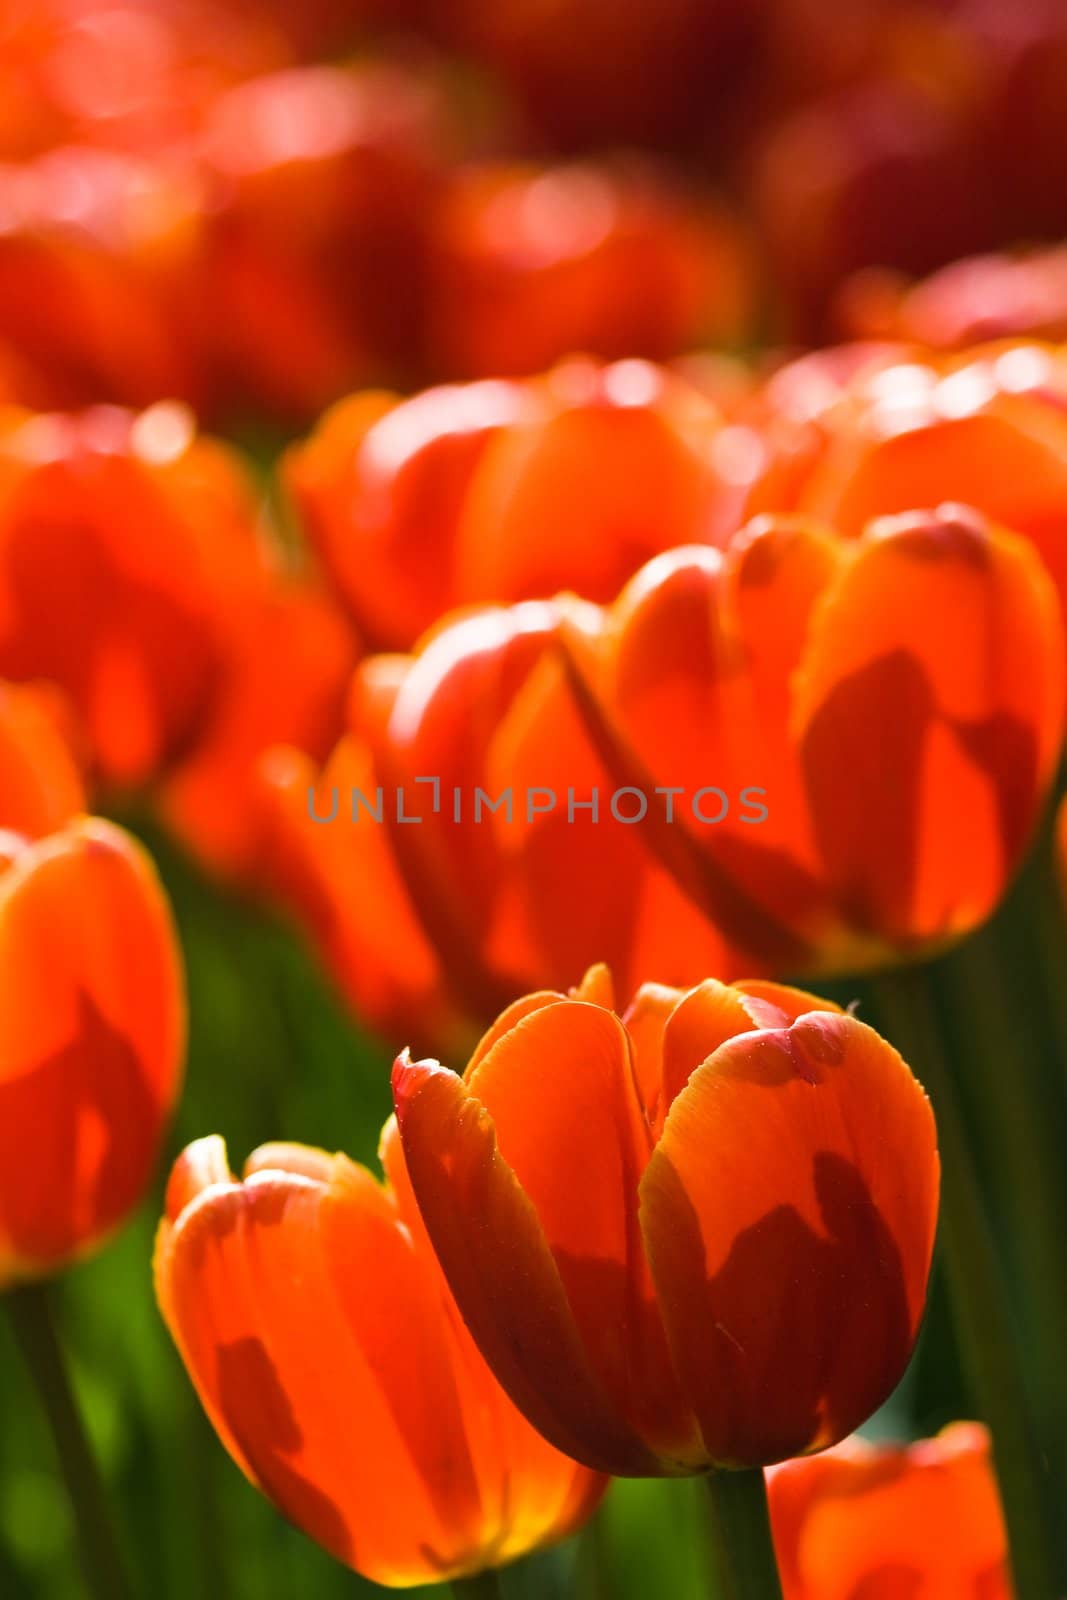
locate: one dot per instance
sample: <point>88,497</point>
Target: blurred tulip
<point>696,1235</point>
<point>290,656</point>
<point>125,543</point>
<point>359,1405</point>
<point>97,256</point>
<point>803,754</point>
<point>406,917</point>
<point>41,784</point>
<point>121,74</point>
<point>91,1035</point>
<point>981,298</point>
<point>832,181</point>
<point>314,270</point>
<point>503,490</point>
<point>529,264</point>
<point>920,1520</point>
<point>988,428</point>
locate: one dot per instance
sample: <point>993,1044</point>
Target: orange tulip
<point>124,75</point>
<point>806,753</point>
<point>124,543</point>
<point>499,491</point>
<point>965,303</point>
<point>134,576</point>
<point>359,1405</point>
<point>920,1520</point>
<point>97,254</point>
<point>91,1028</point>
<point>696,1235</point>
<point>41,784</point>
<point>529,264</point>
<point>987,427</point>
<point>213,799</point>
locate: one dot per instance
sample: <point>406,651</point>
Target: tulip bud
<point>696,1235</point>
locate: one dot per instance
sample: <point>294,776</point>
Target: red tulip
<point>696,1235</point>
<point>921,1520</point>
<point>91,1028</point>
<point>805,754</point>
<point>135,576</point>
<point>289,656</point>
<point>314,261</point>
<point>965,303</point>
<point>41,784</point>
<point>125,543</point>
<point>97,253</point>
<point>529,264</point>
<point>987,427</point>
<point>358,1403</point>
<point>502,491</point>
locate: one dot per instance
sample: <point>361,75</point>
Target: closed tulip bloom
<point>904,762</point>
<point>696,1235</point>
<point>91,1037</point>
<point>528,264</point>
<point>136,577</point>
<point>968,302</point>
<point>501,491</point>
<point>358,1404</point>
<point>125,541</point>
<point>320,179</point>
<point>41,785</point>
<point>97,261</point>
<point>921,1520</point>
<point>987,427</point>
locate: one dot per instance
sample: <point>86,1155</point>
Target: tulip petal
<point>922,1520</point>
<point>318,1335</point>
<point>503,1273</point>
<point>789,1245</point>
<point>944,636</point>
<point>91,1036</point>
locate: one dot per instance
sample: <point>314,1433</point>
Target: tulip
<point>828,779</point>
<point>41,785</point>
<point>358,1404</point>
<point>319,179</point>
<point>135,577</point>
<point>966,303</point>
<point>528,264</point>
<point>123,76</point>
<point>696,1235</point>
<point>986,428</point>
<point>91,1029</point>
<point>921,1520</point>
<point>125,542</point>
<point>97,257</point>
<point>829,180</point>
<point>499,491</point>
<point>213,799</point>
<point>776,665</point>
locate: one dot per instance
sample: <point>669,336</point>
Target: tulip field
<point>533,820</point>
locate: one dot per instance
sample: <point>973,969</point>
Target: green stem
<point>741,1543</point>
<point>35,1330</point>
<point>479,1586</point>
<point>987,1335</point>
<point>1017,1130</point>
